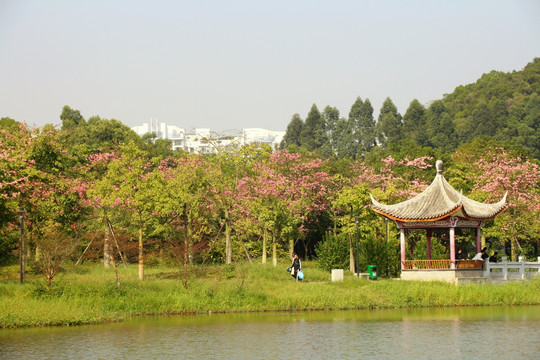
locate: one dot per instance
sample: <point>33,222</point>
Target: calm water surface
<point>455,333</point>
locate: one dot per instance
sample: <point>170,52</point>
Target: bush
<point>379,252</point>
<point>333,253</point>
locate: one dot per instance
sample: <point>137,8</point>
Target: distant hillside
<point>501,107</point>
<point>504,106</point>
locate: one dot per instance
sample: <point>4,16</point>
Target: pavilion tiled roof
<point>438,201</point>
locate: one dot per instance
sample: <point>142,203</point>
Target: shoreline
<point>88,295</point>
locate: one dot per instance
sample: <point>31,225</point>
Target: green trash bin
<point>372,270</point>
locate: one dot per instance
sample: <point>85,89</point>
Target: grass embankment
<point>88,294</point>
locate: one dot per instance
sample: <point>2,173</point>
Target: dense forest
<point>500,107</point>
<point>94,190</point>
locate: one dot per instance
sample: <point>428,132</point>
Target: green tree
<point>185,208</point>
<point>129,186</point>
<point>331,117</point>
<point>71,118</point>
<point>293,133</point>
<point>313,135</point>
<point>389,124</point>
<point>415,124</point>
<point>528,130</point>
<point>363,125</point>
<point>441,130</point>
<point>484,122</point>
<point>343,140</point>
<point>8,123</point>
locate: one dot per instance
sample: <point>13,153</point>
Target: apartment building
<point>205,141</point>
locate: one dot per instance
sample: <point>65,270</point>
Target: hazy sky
<point>246,63</point>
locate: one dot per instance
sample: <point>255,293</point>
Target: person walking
<point>296,266</point>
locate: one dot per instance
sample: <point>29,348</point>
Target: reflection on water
<point>442,333</point>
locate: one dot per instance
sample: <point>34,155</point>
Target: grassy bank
<point>88,294</point>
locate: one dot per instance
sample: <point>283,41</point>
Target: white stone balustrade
<point>522,266</point>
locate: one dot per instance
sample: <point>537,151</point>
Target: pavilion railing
<point>441,264</point>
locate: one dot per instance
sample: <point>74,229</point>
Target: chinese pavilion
<point>439,206</point>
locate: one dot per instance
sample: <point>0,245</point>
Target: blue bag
<point>300,275</point>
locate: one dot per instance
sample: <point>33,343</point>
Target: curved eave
<point>491,217</point>
<point>395,218</point>
<point>495,209</point>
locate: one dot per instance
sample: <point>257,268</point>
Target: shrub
<point>333,253</point>
<point>377,251</point>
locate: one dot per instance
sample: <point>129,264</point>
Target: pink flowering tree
<point>16,170</point>
<point>92,171</point>
<point>226,169</point>
<point>36,176</point>
<point>128,186</point>
<point>496,172</point>
<point>285,194</point>
<point>184,204</point>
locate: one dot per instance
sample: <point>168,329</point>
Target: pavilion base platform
<point>469,271</point>
<point>453,276</point>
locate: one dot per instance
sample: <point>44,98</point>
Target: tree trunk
<point>141,254</point>
<point>265,235</point>
<point>291,248</point>
<point>113,262</point>
<point>38,253</point>
<point>189,230</point>
<point>228,245</point>
<point>274,251</point>
<point>107,248</point>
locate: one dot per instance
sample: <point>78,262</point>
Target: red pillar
<point>452,248</point>
<point>478,240</point>
<point>402,238</point>
<point>428,244</point>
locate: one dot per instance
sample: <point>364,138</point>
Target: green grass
<point>88,294</point>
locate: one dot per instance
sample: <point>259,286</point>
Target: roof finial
<point>439,165</point>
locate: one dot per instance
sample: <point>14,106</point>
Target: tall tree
<point>365,132</point>
<point>389,124</point>
<point>331,117</point>
<point>71,118</point>
<point>313,135</point>
<point>363,125</point>
<point>354,125</point>
<point>415,124</point>
<point>293,133</point>
<point>441,129</point>
<point>343,140</point>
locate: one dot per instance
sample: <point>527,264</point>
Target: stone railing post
<point>487,271</point>
<point>521,260</point>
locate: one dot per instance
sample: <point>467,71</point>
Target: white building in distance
<point>204,141</point>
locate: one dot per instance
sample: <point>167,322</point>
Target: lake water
<point>442,333</point>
